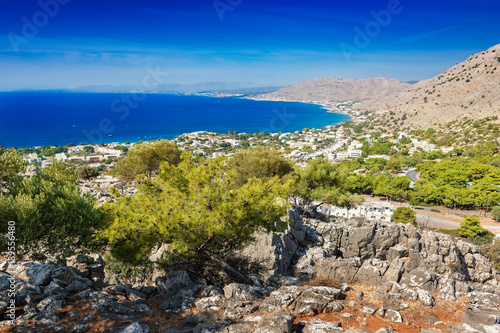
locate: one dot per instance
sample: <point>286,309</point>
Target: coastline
<point>271,118</point>
<point>324,104</point>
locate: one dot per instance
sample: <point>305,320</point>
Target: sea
<point>29,119</point>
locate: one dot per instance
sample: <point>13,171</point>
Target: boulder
<point>211,303</point>
<point>40,274</point>
<point>393,316</point>
<point>275,252</point>
<point>46,317</point>
<point>279,322</point>
<point>173,282</point>
<point>307,306</point>
<point>238,292</point>
<point>315,325</point>
<point>475,316</point>
<point>421,279</point>
<point>51,303</point>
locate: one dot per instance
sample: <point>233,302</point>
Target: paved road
<point>412,175</point>
<point>433,219</point>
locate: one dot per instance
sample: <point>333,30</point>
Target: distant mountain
<point>469,89</point>
<point>205,87</point>
<point>332,89</point>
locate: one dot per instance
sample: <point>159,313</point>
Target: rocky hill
<point>337,276</point>
<point>332,89</point>
<point>469,89</point>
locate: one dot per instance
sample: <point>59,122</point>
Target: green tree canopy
<point>198,211</point>
<point>51,215</point>
<point>470,228</point>
<point>495,213</point>
<point>320,180</point>
<point>87,173</point>
<point>145,158</point>
<point>11,163</point>
<point>404,215</point>
<point>259,163</point>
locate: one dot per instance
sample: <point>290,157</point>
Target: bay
<point>56,118</point>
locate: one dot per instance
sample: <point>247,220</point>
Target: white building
<point>368,210</point>
<point>106,150</point>
<point>342,155</point>
<point>61,157</point>
<point>33,157</point>
<point>355,153</point>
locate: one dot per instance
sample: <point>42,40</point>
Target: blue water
<point>54,118</point>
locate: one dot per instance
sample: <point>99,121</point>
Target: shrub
<point>404,215</point>
<point>87,173</point>
<point>495,213</point>
<point>470,228</point>
<point>51,215</point>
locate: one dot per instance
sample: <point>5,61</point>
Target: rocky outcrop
<point>368,272</point>
<point>275,252</point>
<point>376,252</point>
<point>99,188</point>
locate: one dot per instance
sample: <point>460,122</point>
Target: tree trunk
<point>219,262</point>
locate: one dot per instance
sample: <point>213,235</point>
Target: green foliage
<point>122,148</point>
<point>484,239</point>
<point>50,214</point>
<point>88,149</point>
<point>404,215</point>
<point>470,228</point>
<point>11,163</point>
<point>452,232</point>
<point>487,148</point>
<point>394,165</point>
<point>459,182</point>
<point>394,187</point>
<point>87,173</point>
<point>495,213</point>
<point>259,163</point>
<point>321,180</point>
<point>197,210</point>
<point>145,158</point>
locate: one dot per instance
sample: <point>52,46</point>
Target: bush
<point>435,210</point>
<point>145,158</point>
<point>51,216</point>
<point>470,228</point>
<point>259,163</point>
<point>87,173</point>
<point>495,213</point>
<point>404,215</point>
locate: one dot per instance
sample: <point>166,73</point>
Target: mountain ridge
<point>335,89</point>
<point>468,89</point>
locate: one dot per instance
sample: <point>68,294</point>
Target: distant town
<point>335,143</point>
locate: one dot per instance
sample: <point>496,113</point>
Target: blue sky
<point>87,42</point>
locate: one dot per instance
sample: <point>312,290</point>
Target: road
<point>432,219</point>
<point>426,217</point>
<point>412,175</point>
